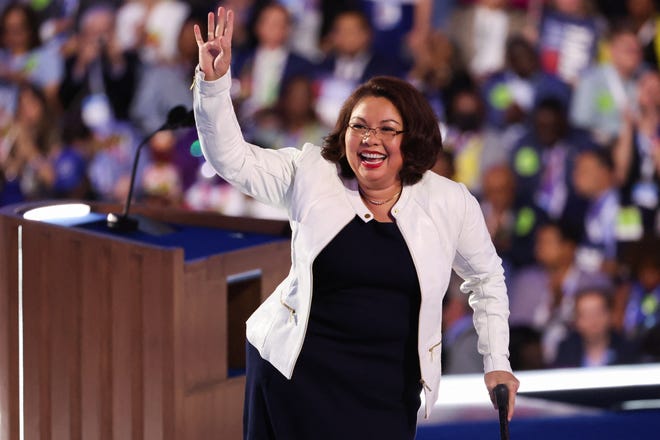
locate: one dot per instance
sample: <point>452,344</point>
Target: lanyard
<point>647,167</point>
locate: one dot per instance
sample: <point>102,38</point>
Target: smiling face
<point>375,162</point>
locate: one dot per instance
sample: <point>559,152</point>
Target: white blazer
<point>439,219</point>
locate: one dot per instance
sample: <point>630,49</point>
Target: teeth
<point>372,156</point>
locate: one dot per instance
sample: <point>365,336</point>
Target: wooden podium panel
<point>124,340</point>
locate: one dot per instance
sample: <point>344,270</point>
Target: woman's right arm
<point>261,173</point>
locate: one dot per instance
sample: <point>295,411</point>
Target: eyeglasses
<point>382,133</point>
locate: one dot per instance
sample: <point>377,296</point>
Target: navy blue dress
<point>357,375</point>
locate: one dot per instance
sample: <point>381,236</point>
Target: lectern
<point>130,336</point>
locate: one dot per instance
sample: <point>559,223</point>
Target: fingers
<point>210,26</point>
<point>228,33</point>
<point>198,35</point>
<point>512,404</point>
<point>215,52</point>
<point>229,29</point>
<point>220,28</point>
<point>225,27</point>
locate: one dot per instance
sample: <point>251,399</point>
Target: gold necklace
<point>377,202</point>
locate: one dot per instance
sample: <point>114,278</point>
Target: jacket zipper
<point>433,348</point>
<point>292,312</point>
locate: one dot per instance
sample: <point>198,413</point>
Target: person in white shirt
<point>263,71</point>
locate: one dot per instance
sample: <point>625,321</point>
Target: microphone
<point>177,117</point>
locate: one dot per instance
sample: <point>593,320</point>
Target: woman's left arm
<point>263,174</point>
<point>476,261</point>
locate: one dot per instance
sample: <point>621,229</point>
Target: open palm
<point>215,53</point>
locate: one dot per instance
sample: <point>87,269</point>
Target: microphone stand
<point>122,222</point>
<point>176,118</point>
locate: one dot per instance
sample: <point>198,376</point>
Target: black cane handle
<point>501,392</point>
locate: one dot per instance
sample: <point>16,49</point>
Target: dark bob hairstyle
<point>421,140</point>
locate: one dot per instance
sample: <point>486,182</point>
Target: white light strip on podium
<point>469,389</point>
<point>61,211</point>
<point>587,378</point>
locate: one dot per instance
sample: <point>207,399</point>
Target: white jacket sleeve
<point>261,173</point>
<point>477,263</point>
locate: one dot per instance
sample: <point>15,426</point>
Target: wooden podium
<point>123,339</point>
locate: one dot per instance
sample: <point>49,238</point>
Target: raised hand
<point>215,53</point>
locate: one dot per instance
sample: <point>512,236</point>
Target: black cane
<point>502,399</point>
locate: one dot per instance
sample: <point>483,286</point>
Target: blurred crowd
<point>550,114</point>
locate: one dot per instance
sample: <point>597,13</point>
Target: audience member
<point>151,28</point>
<point>26,143</point>
<point>398,25</point>
<point>57,18</point>
<point>542,296</point>
<point>512,224</point>
<point>605,93</point>
<point>474,148</point>
<point>351,55</point>
<point>636,157</point>
<point>642,309</point>
<point>543,159</point>
<point>481,30</point>
<point>306,21</point>
<point>263,71</point>
<point>330,9</point>
<point>433,69</point>
<point>511,94</point>
<point>593,177</point>
<point>23,59</point>
<point>350,61</point>
<point>292,121</point>
<point>109,169</point>
<point>150,105</point>
<point>99,77</point>
<point>568,39</point>
<point>161,180</point>
<point>593,342</point>
<point>70,159</point>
